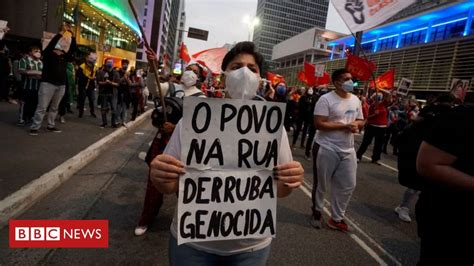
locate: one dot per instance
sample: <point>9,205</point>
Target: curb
<point>19,201</point>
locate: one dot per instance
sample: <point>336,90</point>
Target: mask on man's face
<point>242,83</point>
<point>348,86</point>
<point>109,65</point>
<point>124,67</point>
<point>310,92</point>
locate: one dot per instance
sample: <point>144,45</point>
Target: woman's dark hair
<point>201,76</point>
<point>338,73</point>
<point>242,48</point>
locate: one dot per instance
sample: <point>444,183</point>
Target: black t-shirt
<point>441,206</point>
<point>103,75</point>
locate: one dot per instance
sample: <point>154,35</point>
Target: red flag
<point>275,78</point>
<point>302,77</point>
<point>309,70</point>
<point>183,53</point>
<point>384,81</point>
<point>324,80</point>
<point>359,68</point>
<point>211,58</point>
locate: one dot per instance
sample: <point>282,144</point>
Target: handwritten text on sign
<point>230,148</point>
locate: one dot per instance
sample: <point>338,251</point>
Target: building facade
<point>431,48</point>
<point>309,46</point>
<point>161,21</point>
<point>107,27</point>
<point>283,19</point>
<point>418,7</point>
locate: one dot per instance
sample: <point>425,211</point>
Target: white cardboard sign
<point>404,86</point>
<point>229,148</point>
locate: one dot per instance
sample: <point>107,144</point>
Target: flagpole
<point>153,62</point>
<point>360,45</point>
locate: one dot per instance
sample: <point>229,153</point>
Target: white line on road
<point>359,241</point>
<point>383,164</point>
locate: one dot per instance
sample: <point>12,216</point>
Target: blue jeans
<point>186,255</point>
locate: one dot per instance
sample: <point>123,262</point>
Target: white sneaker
<point>62,120</point>
<point>403,214</point>
<point>140,230</point>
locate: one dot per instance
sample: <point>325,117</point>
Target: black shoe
<point>115,126</point>
<point>376,162</point>
<point>53,129</point>
<point>93,115</point>
<point>80,115</point>
<point>103,125</point>
<point>33,132</point>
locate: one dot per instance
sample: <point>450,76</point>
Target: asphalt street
<point>113,186</point>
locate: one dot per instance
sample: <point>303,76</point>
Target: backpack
<point>174,107</point>
<point>409,142</point>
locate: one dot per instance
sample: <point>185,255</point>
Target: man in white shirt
<point>337,116</point>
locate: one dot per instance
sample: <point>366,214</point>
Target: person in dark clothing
<point>56,56</point>
<point>446,161</point>
<point>136,93</point>
<point>305,117</point>
<point>108,80</point>
<point>123,93</point>
<point>86,76</point>
<point>310,121</point>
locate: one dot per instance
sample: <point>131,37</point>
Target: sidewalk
<point>24,158</point>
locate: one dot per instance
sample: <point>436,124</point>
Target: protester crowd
<point>50,82</point>
<point>324,122</point>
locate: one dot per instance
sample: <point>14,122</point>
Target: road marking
<point>359,241</point>
<point>383,164</point>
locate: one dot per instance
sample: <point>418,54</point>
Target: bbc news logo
<point>59,233</point>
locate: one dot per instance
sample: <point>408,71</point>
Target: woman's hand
<point>290,176</point>
<point>164,173</point>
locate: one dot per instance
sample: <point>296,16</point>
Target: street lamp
<point>251,22</point>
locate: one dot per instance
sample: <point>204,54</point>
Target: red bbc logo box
<point>59,233</point>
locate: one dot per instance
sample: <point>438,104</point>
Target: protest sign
<point>459,88</point>
<point>229,148</point>
<point>319,70</point>
<point>404,86</point>
<point>47,37</point>
<point>3,28</point>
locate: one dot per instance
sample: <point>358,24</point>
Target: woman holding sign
<point>241,66</point>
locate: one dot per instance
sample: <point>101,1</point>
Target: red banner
<point>302,77</point>
<point>324,80</point>
<point>59,233</point>
<point>360,68</point>
<point>384,81</point>
<point>211,58</point>
<point>311,79</point>
<point>275,78</point>
<point>183,53</point>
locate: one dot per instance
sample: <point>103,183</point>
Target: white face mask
<point>310,92</point>
<point>241,83</point>
<point>189,78</point>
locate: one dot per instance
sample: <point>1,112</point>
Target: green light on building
<point>118,9</point>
